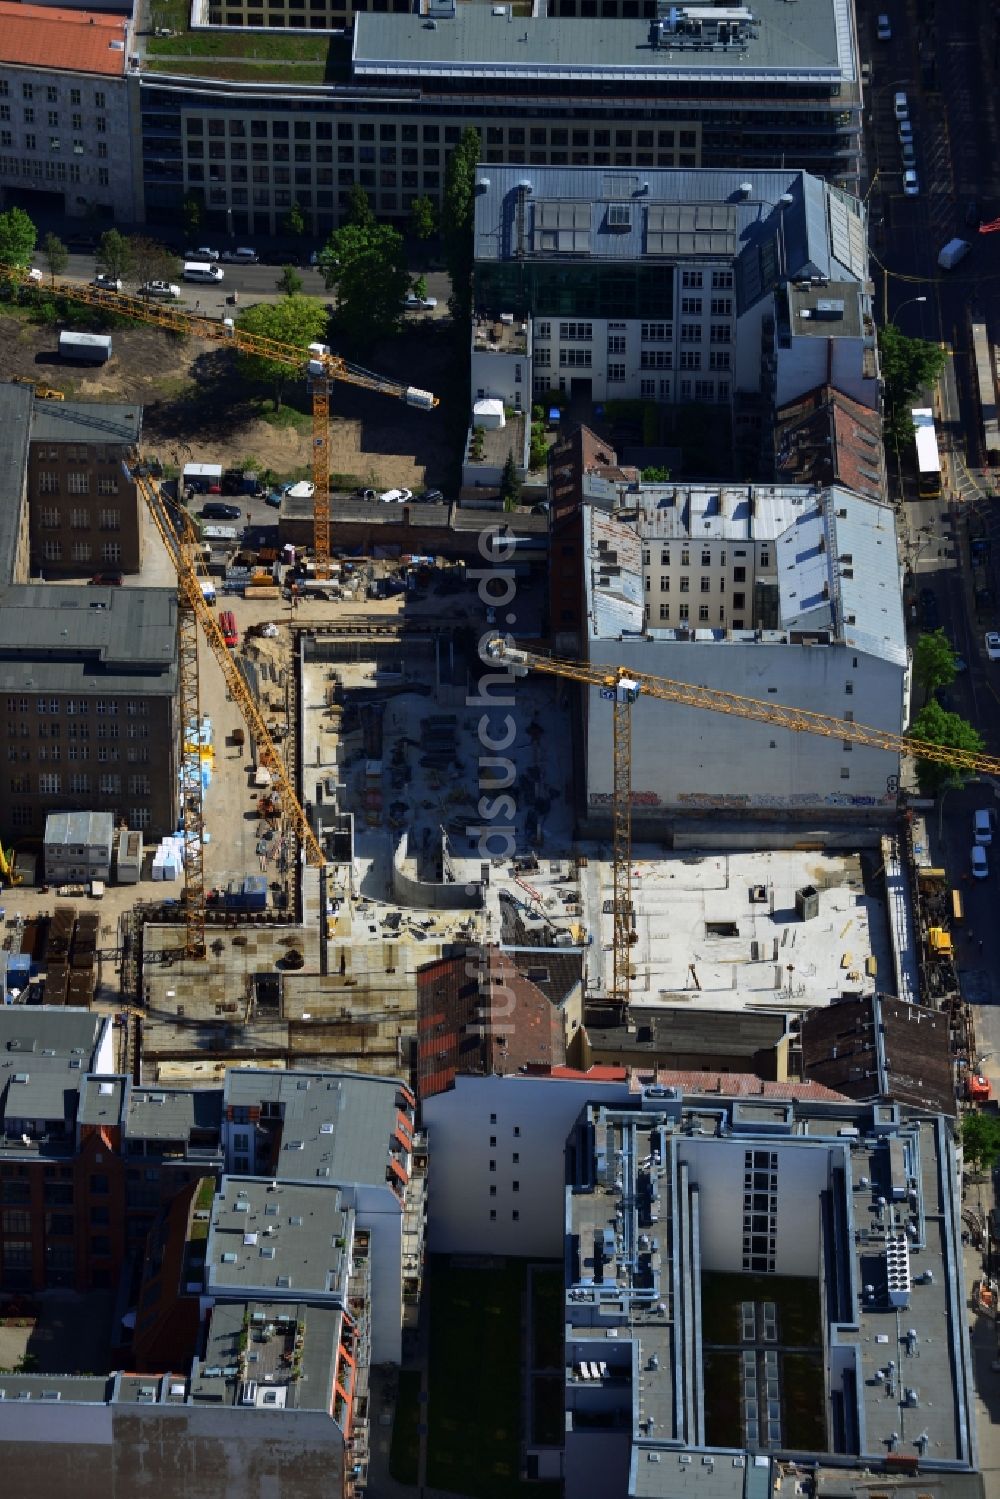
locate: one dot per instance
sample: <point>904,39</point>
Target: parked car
<point>108,580</point>
<point>203,252</point>
<point>396,496</point>
<point>217,510</point>
<point>273,498</point>
<point>979,862</point>
<point>982,826</point>
<point>883,30</point>
<point>242,255</point>
<point>928,609</point>
<point>901,106</point>
<point>107,283</point>
<point>911,183</point>
<point>973,214</point>
<point>164,289</point>
<point>365,494</point>
<point>908,152</point>
<point>992,645</point>
<point>35,274</point>
<point>432,497</point>
<point>905,128</point>
<point>413,303</point>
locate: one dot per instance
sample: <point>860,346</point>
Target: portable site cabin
<point>85,348</point>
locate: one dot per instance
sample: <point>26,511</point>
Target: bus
<point>227,624</point>
<point>928,457</point>
<point>987,391</point>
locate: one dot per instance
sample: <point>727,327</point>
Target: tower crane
<point>193,612</point>
<point>321,367</point>
<point>622,687</point>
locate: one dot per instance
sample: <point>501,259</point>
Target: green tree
<point>359,209</point>
<point>55,255</point>
<point>510,484</point>
<point>934,661</point>
<point>980,1139</point>
<point>908,365</point>
<point>299,321</point>
<point>419,287</point>
<point>114,255</point>
<point>289,282</point>
<point>365,263</point>
<point>148,260</point>
<point>192,215</point>
<point>656,475</point>
<point>18,237</point>
<point>457,213</point>
<point>294,222</point>
<point>936,726</point>
<point>423,218</point>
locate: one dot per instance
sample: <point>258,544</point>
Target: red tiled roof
<point>725,1084</point>
<point>71,41</point>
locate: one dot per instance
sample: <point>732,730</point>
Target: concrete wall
<point>425,895</point>
<point>184,1452</point>
<point>460,1125</point>
<point>716,1169</point>
<point>683,759</point>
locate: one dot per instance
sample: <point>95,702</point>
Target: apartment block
<point>781,593</point>
<point>66,140</point>
<point>669,286</point>
<point>83,503</point>
<point>381,106</point>
<point>804,1256</point>
<point>88,684</point>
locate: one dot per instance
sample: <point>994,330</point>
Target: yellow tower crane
<point>193,611</point>
<point>622,687</point>
<point>321,367</point>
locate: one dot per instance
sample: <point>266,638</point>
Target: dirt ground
<point>197,408</point>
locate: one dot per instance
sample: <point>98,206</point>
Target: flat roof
<point>65,638</point>
<point>290,1237</point>
<point>811,42</point>
<point>85,421</point>
<point>720,930</point>
<point>281,1373</point>
<point>172,1113</point>
<point>71,41</point>
<point>645,1212</point>
<point>90,829</point>
<point>879,1046</point>
<point>338,1127</point>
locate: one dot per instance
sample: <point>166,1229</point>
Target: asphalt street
<point>255,283</point>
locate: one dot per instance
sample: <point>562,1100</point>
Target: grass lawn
<point>404,1453</point>
<point>803,1402</point>
<point>475,1381</point>
<point>796,1297</point>
<point>723,1420</point>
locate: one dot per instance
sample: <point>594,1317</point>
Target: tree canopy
<point>294,221</point>
<point>908,366</point>
<point>148,260</point>
<point>510,484</point>
<point>457,213</point>
<point>981,1139</point>
<point>18,237</point>
<point>365,263</point>
<point>423,217</point>
<point>936,726</point>
<point>55,255</point>
<point>114,255</point>
<point>294,320</point>
<point>934,661</point>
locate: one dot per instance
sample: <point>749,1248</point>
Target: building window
<point>647,388</point>
<point>576,332</point>
<point>656,359</point>
<point>665,583</point>
<point>691,280</point>
<point>111,551</point>
<point>616,344</point>
<point>703,613</point>
<point>49,783</point>
<point>578,359</point>
<point>690,360</point>
<point>690,333</point>
<point>81,551</point>
<point>48,483</point>
<point>684,611</point>
<point>721,333</point>
<point>706,585</point>
<point>691,305</point>
<point>719,359</point>
<point>109,520</point>
<point>543,358</point>
<point>78,483</point>
<point>140,817</point>
<point>722,306</point>
<point>722,280</point>
<point>685,583</point>
<point>664,612</point>
<point>657,332</point>
<point>616,374</point>
<point>52,551</point>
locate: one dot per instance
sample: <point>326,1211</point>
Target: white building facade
<point>787,595</point>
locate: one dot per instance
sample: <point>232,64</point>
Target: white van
<point>201,270</point>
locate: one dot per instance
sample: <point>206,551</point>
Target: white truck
<point>951,253</point>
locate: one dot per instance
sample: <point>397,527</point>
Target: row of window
<point>51,754</point>
<point>52,119</point>
<point>684,615</point>
<point>76,483</point>
<point>706,584</point>
<point>707,559</point>
<point>52,94</point>
<point>111,551</point>
<point>51,171</point>
<point>22,816</point>
<point>50,782</point>
<point>51,519</point>
<point>77,452</point>
<point>135,707</point>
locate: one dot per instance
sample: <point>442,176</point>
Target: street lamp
<point>908,303</point>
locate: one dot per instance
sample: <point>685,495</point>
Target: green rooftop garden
<point>243,55</point>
